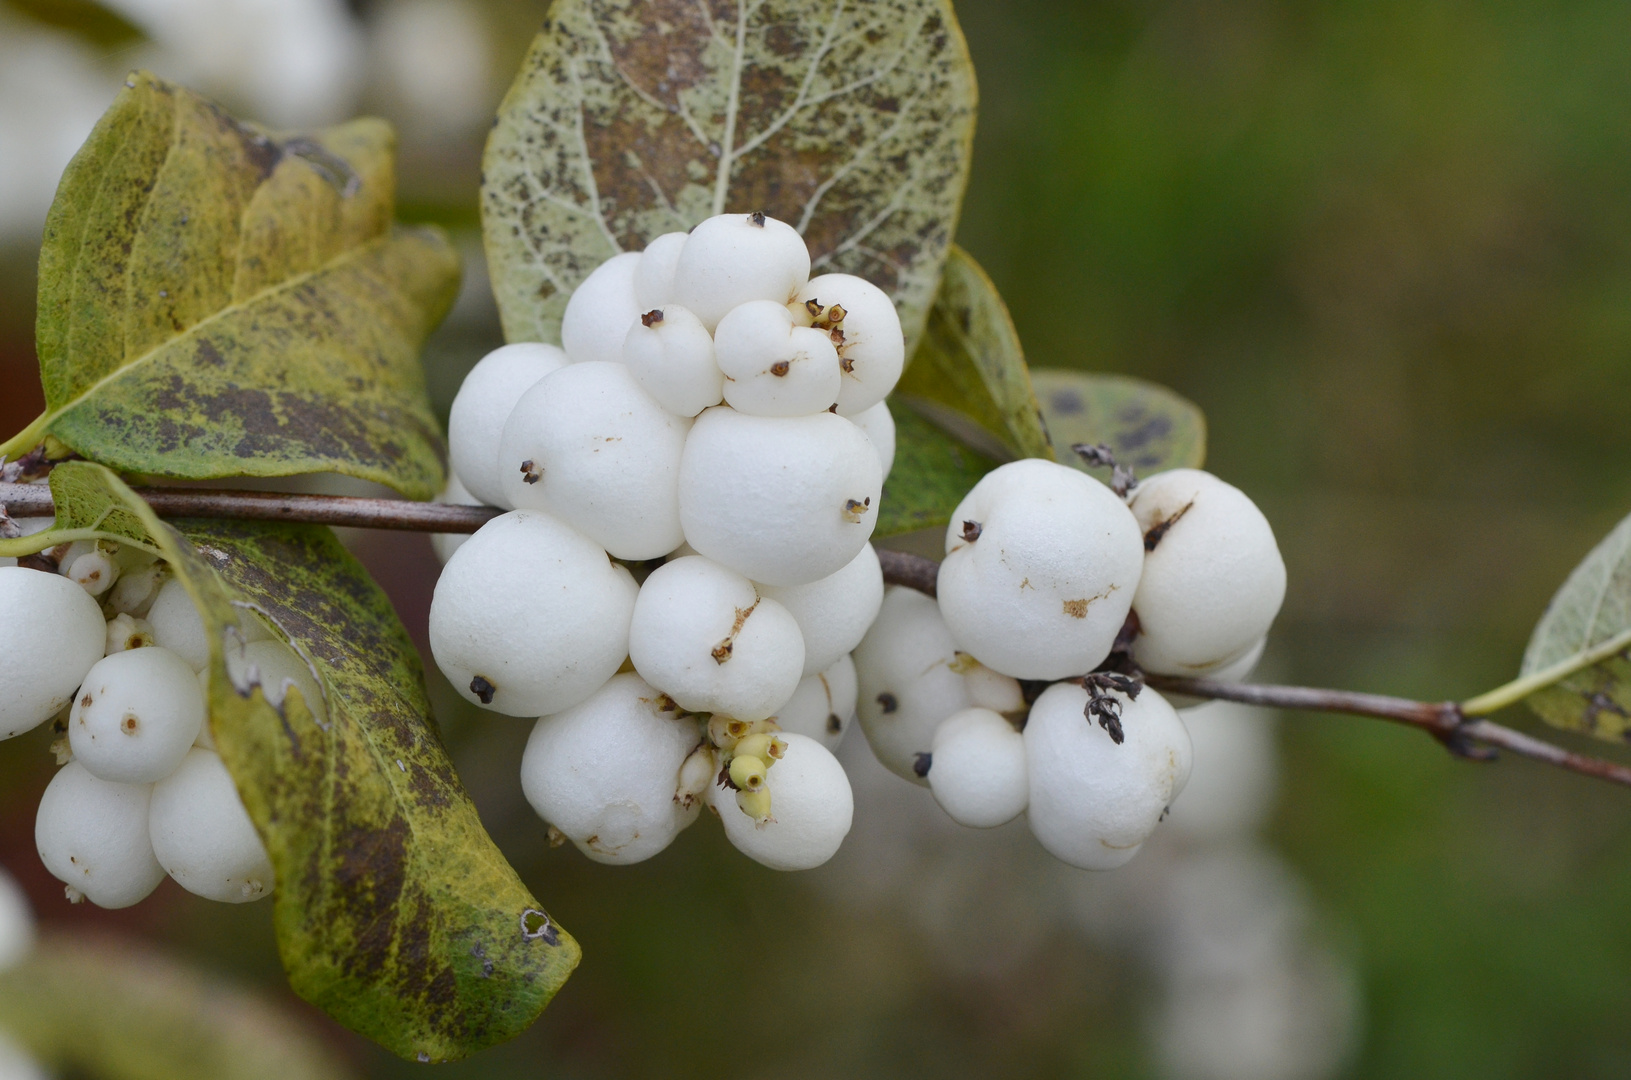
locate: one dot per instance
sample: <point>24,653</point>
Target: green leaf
<point>932,473</point>
<point>395,912</point>
<point>850,119</point>
<point>968,374</point>
<point>1149,427</point>
<point>104,1009</point>
<point>1592,610</point>
<point>217,300</point>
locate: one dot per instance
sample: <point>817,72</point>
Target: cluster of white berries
<point>1048,573</point>
<point>714,408</point>
<point>112,648</point>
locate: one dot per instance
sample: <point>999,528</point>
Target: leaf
<point>850,119</point>
<point>932,473</point>
<point>1591,609</point>
<point>110,1010</point>
<point>395,912</point>
<point>1149,427</point>
<point>216,300</point>
<point>968,374</point>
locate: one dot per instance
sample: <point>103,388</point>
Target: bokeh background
<point>1387,247</point>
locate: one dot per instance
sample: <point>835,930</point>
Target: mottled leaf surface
<point>968,374</point>
<point>932,473</point>
<point>219,300</point>
<point>1593,605</point>
<point>1149,427</point>
<point>395,912</point>
<point>106,1009</point>
<point>850,119</point>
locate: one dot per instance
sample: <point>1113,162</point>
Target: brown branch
<point>1444,721</point>
<point>34,500</point>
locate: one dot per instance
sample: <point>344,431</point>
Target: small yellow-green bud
<point>747,772</point>
<point>755,804</point>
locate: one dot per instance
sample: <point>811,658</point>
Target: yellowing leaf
<point>968,375</point>
<point>218,300</point>
<point>850,119</point>
<point>395,912</point>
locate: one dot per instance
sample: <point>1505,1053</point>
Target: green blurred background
<point>1387,248</point>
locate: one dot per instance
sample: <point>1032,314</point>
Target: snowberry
<point>275,667</point>
<point>202,834</point>
<point>671,355</point>
<point>51,632</point>
<point>92,835</point>
<point>454,494</point>
<point>878,425</point>
<point>135,590</point>
<point>733,258</point>
<point>977,769</point>
<point>861,321</point>
<point>907,668</point>
<point>530,617</point>
<point>482,405</point>
<point>177,625</point>
<point>135,716</point>
<point>94,571</point>
<point>834,612</point>
<point>707,638</point>
<point>1093,800</point>
<point>783,500</point>
<point>771,366</point>
<point>589,446</point>
<point>16,923</point>
<point>600,310</point>
<point>654,275</point>
<point>1041,563</point>
<point>811,807</point>
<point>823,704</point>
<point>126,632</point>
<point>1213,578</point>
<point>991,689</point>
<point>606,772</point>
<point>1235,671</point>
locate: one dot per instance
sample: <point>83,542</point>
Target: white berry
<point>783,500</point>
<point>606,772</point>
<point>600,310</point>
<point>202,835</point>
<point>871,347</point>
<point>991,689</point>
<point>530,617</point>
<point>587,445</point>
<point>95,571</point>
<point>1213,578</point>
<point>823,704</point>
<point>878,425</point>
<point>135,590</point>
<point>177,625</point>
<point>671,355</point>
<point>977,769</point>
<point>834,612</point>
<point>92,836</point>
<point>126,632</point>
<point>908,669</point>
<point>771,366</point>
<point>482,405</point>
<point>733,258</point>
<point>654,275</point>
<point>705,636</point>
<point>51,632</point>
<point>811,808</point>
<point>1235,671</point>
<point>1094,801</point>
<point>1041,564</point>
<point>136,715</point>
<point>454,494</point>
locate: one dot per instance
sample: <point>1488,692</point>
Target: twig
<point>1448,722</point>
<point>34,500</point>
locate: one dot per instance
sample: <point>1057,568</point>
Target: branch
<point>1462,734</point>
<point>34,500</point>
